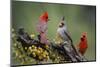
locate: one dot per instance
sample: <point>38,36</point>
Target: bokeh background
<point>79,18</point>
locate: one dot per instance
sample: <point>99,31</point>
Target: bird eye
<point>83,35</point>
<point>46,17</point>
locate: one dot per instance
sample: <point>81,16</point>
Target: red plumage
<point>83,44</point>
<point>44,17</point>
<point>42,27</point>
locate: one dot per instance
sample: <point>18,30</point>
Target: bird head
<point>84,35</point>
<point>44,17</point>
<point>61,24</point>
<point>82,39</point>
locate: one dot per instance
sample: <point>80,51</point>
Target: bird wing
<point>65,32</point>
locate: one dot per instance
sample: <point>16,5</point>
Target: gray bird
<point>68,43</point>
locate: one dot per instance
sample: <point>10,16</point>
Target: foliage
<point>32,54</point>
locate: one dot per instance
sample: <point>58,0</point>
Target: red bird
<point>44,17</point>
<point>83,43</point>
<point>42,27</point>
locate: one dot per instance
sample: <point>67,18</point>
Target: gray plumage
<point>68,43</point>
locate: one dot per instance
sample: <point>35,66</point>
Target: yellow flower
<point>16,53</point>
<point>34,50</point>
<point>40,57</point>
<point>58,39</point>
<point>40,49</point>
<point>30,48</point>
<point>20,56</point>
<point>46,46</point>
<point>38,52</point>
<point>33,46</point>
<point>25,48</point>
<point>58,57</point>
<point>12,29</point>
<point>45,52</point>
<point>32,35</point>
<point>44,56</point>
<point>58,42</point>
<point>15,44</point>
<point>34,54</point>
<point>13,35</point>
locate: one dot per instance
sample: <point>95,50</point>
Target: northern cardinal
<point>42,27</point>
<point>83,43</point>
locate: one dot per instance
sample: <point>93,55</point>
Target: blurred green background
<point>78,19</point>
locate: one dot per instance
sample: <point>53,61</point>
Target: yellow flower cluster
<point>58,39</point>
<point>38,52</point>
<point>32,36</point>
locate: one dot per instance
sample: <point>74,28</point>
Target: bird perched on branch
<point>67,45</point>
<point>42,28</point>
<point>83,43</point>
<point>63,31</point>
